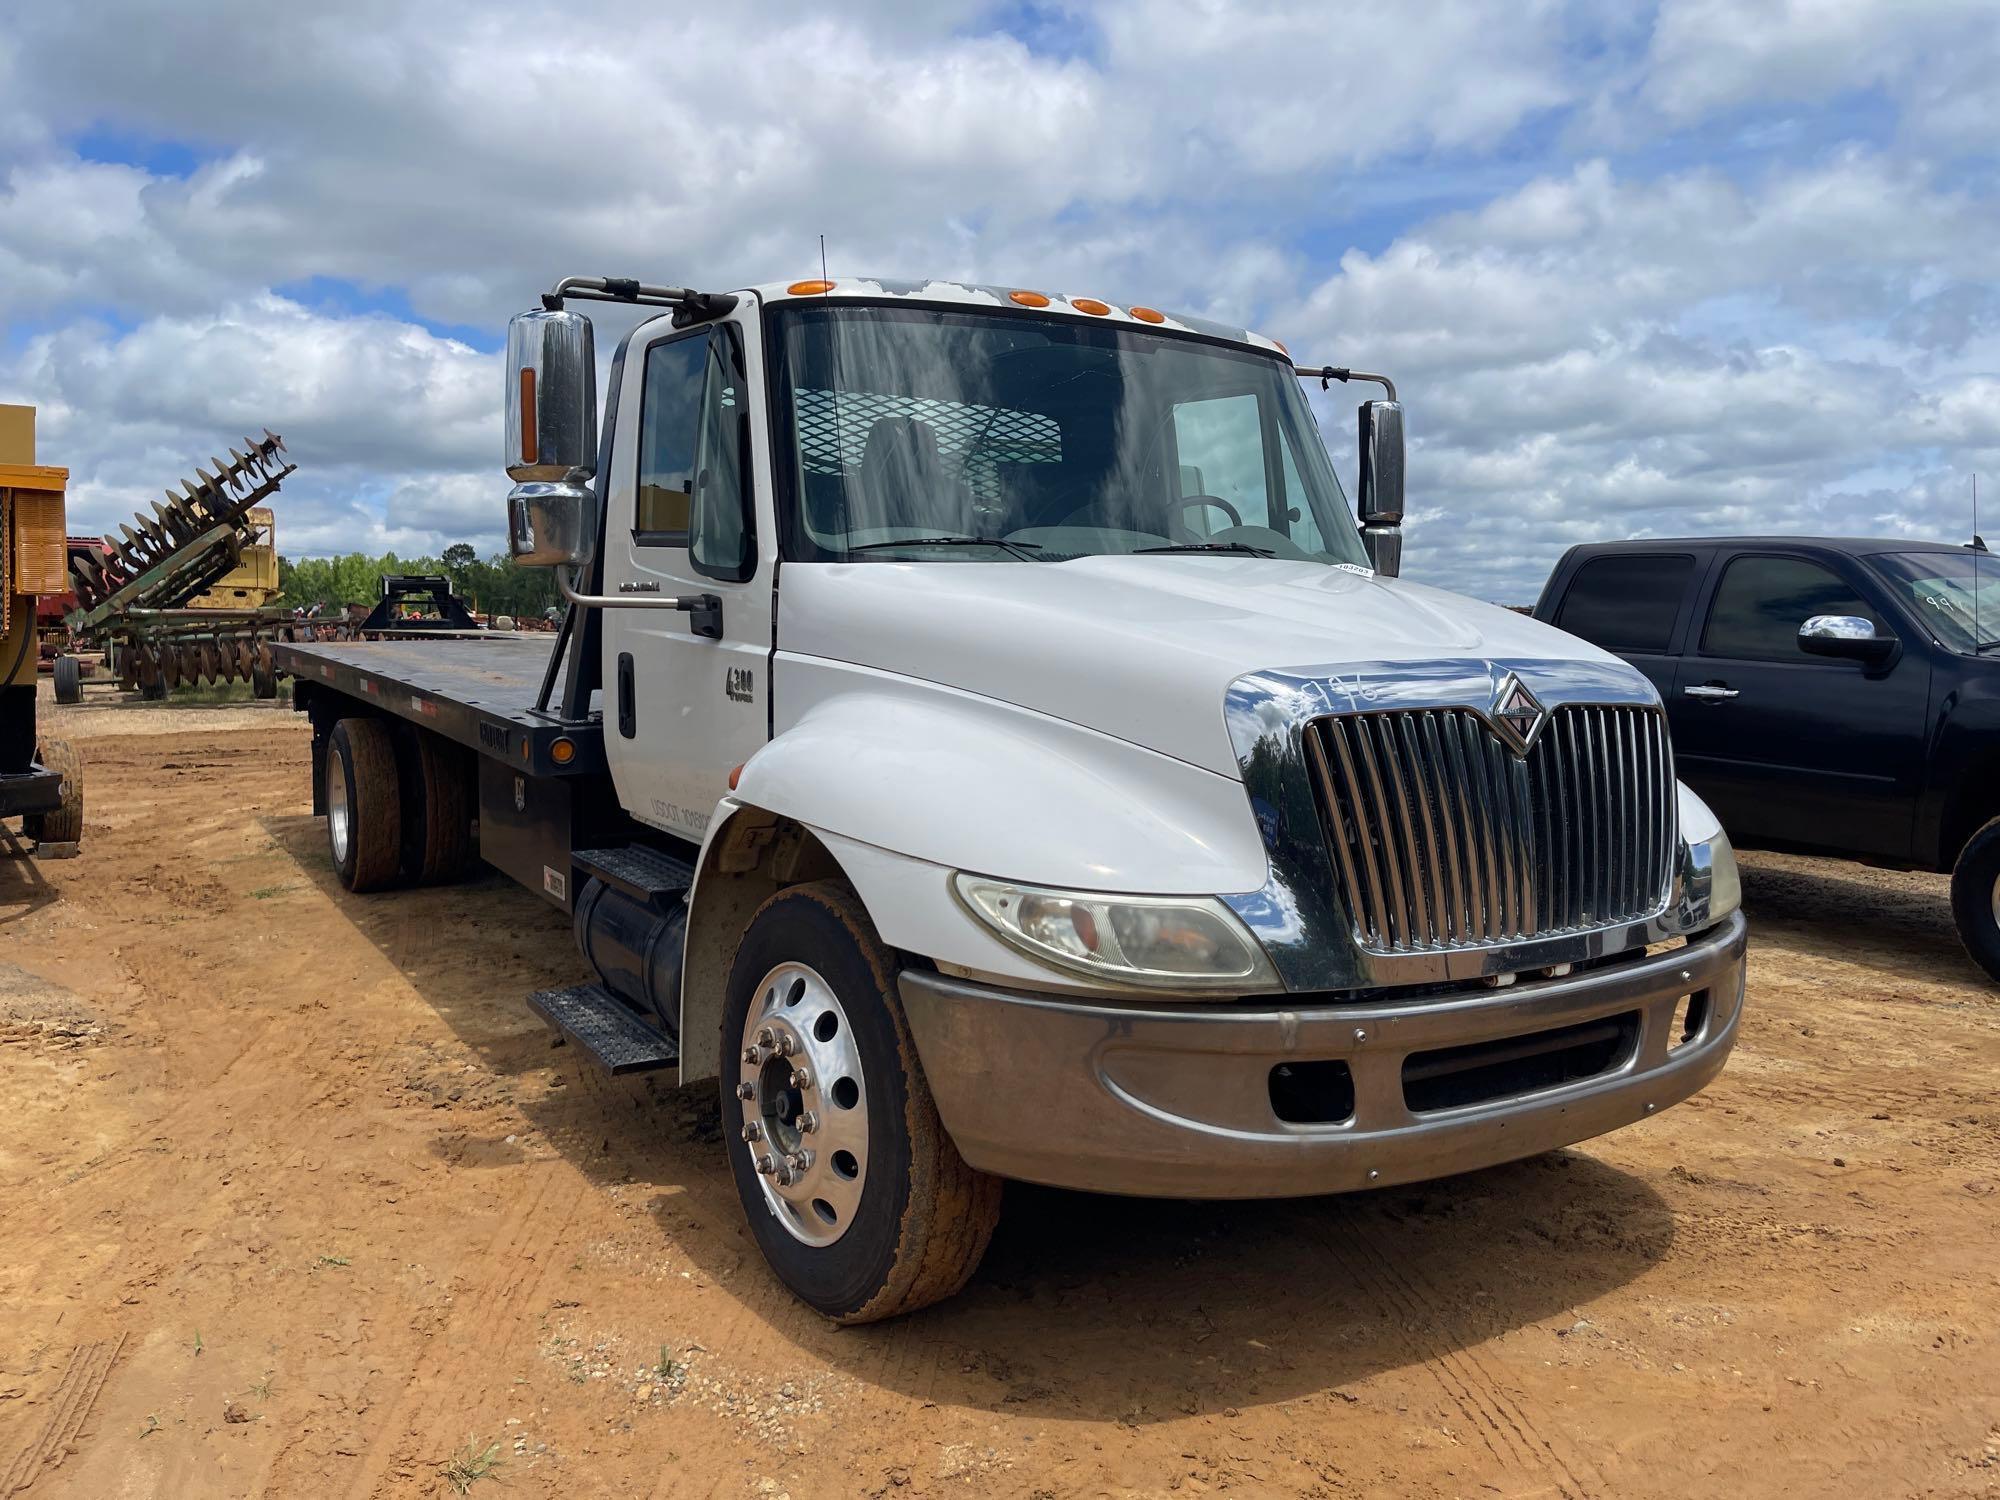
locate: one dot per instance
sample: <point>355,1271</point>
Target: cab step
<point>640,871</point>
<point>610,1033</point>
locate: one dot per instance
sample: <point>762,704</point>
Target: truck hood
<point>1143,648</point>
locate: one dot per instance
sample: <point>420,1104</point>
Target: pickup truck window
<point>911,432</point>
<point>1762,601</point>
<point>1956,595</point>
<point>1627,603</point>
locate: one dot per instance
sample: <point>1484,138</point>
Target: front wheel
<point>1975,897</point>
<point>855,1194</point>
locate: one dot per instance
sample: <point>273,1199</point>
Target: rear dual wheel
<point>398,805</point>
<point>854,1192</point>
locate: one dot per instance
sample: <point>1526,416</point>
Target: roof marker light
<point>1148,315</point>
<point>1028,299</point>
<point>809,288</point>
<point>1281,348</point>
<point>1090,305</point>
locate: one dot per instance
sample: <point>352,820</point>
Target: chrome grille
<point>1441,837</point>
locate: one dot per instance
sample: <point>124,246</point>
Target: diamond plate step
<point>616,1039</point>
<point>643,873</point>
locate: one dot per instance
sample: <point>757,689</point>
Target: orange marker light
<point>1028,299</point>
<point>734,777</point>
<point>1281,348</point>
<point>1147,315</point>
<point>562,752</point>
<point>530,439</point>
<point>1090,305</point>
<point>809,288</point>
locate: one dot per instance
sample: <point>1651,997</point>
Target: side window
<point>1220,443</point>
<point>723,545</point>
<point>669,427</point>
<point>1762,601</point>
<point>1627,603</point>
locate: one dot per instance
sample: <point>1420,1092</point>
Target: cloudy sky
<point>1705,265</point>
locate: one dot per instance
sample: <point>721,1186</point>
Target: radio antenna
<point>1977,548</point>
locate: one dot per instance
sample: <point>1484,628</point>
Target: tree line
<point>494,586</point>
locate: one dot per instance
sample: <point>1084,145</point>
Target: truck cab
<point>985,739</point>
<point>1828,695</point>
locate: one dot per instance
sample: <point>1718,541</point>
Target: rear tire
<point>922,1218</point>
<point>364,820</point>
<point>69,680</point>
<point>1975,898</point>
<point>65,824</point>
<point>263,681</point>
<point>437,808</point>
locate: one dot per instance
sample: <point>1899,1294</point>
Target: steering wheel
<point>1191,501</point>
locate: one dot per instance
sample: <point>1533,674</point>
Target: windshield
<point>915,431</point>
<point>1955,594</point>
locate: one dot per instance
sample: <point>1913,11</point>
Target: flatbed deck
<point>477,690</point>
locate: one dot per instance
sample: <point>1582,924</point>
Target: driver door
<point>687,695</point>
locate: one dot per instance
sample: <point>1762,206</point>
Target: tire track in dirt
<point>75,1396</point>
<point>1504,1426</point>
<point>507,1273</point>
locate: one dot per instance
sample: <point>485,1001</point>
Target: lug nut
<point>787,1045</point>
<point>785,1175</point>
<point>808,1122</point>
<point>767,1038</point>
<point>765,1165</point>
<point>753,1054</point>
<point>798,1161</point>
<point>753,1131</point>
<point>801,1079</point>
<point>746,1091</point>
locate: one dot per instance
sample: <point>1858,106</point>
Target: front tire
<point>364,804</point>
<point>883,1216</point>
<point>1975,898</point>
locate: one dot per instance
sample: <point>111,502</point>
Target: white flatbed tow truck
<point>982,740</point>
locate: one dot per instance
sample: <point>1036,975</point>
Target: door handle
<point>1709,692</point>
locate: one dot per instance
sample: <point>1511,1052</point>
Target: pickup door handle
<point>1709,692</point>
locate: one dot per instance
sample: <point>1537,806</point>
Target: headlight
<point>1159,942</point>
<point>1711,886</point>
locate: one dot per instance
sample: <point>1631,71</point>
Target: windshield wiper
<point>1019,549</point>
<point>1244,547</point>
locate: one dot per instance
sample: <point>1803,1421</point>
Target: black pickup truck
<point>1827,695</point>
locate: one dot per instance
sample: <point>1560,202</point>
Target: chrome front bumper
<point>1176,1100</point>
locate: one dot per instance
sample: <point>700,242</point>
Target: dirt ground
<point>297,1199</point>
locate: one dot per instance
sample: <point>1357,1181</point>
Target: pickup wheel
<point>1975,897</point>
<point>364,818</point>
<point>855,1194</point>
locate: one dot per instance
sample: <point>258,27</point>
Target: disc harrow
<point>133,598</point>
<point>159,561</point>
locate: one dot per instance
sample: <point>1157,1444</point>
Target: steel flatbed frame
<point>478,690</point>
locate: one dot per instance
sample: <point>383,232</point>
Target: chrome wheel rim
<point>339,821</point>
<point>805,1104</point>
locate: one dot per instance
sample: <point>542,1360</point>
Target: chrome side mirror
<point>1380,501</point>
<point>1847,638</point>
<point>551,443</point>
